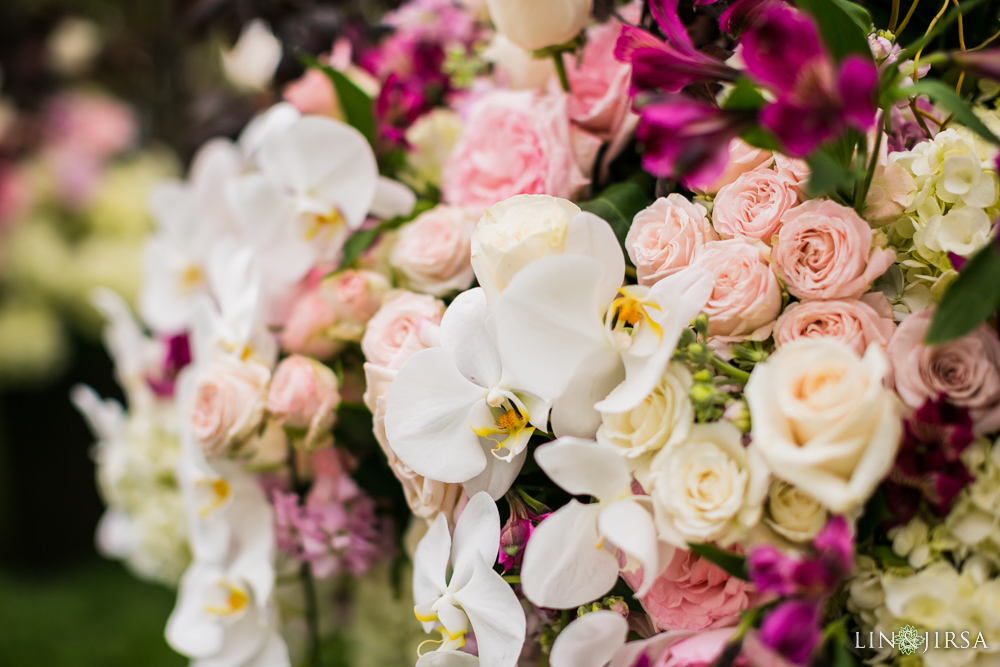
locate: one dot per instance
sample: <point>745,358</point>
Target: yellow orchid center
<point>327,224</point>
<point>215,493</point>
<point>232,601</point>
<point>509,429</point>
<point>190,279</point>
<point>631,308</point>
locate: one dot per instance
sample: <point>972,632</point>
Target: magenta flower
<point>176,357</point>
<point>792,630</point>
<point>516,532</point>
<point>815,576</point>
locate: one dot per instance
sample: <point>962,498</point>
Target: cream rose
<point>516,67</point>
<point>742,158</point>
<point>664,238</point>
<point>431,139</point>
<point>824,251</point>
<point>432,252</point>
<point>753,205</point>
<point>228,404</point>
<point>406,324</point>
<point>746,298</point>
<point>304,395</point>
<point>823,421</point>
<point>709,488</point>
<point>794,514</point>
<point>854,322</point>
<point>535,24</point>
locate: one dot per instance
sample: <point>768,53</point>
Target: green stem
<point>861,192</point>
<point>306,575</point>
<point>512,578</point>
<point>728,369</point>
<point>557,58</point>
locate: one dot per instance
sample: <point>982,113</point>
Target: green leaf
<point>861,16</point>
<point>945,96</point>
<point>744,96</point>
<point>827,175</point>
<point>974,296</point>
<point>359,111</point>
<point>840,25</point>
<point>734,564</point>
<point>842,656</point>
<point>761,138</point>
<point>361,240</point>
<point>618,205</point>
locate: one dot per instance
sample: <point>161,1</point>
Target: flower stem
<point>306,575</point>
<point>728,369</point>
<point>557,58</point>
<point>861,191</point>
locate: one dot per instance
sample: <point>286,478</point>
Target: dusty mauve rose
<point>966,371</point>
<point>857,323</point>
<point>406,324</point>
<point>304,395</point>
<point>517,142</point>
<point>228,403</point>
<point>746,298</point>
<point>753,205</point>
<point>664,238</point>
<point>693,594</point>
<point>432,253</point>
<point>824,251</point>
<point>742,158</point>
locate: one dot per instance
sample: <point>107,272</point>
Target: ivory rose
<point>708,488</point>
<point>794,514</point>
<point>535,24</point>
<point>742,158</point>
<point>664,237</point>
<point>304,395</point>
<point>823,421</point>
<point>753,205</point>
<point>407,323</point>
<point>966,371</point>
<point>746,298</point>
<point>857,323</point>
<point>228,403</point>
<point>517,142</point>
<point>825,251</point>
<point>432,252</point>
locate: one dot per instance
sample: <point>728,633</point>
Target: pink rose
<point>693,594</point>
<point>746,298</point>
<point>753,205</point>
<point>228,404</point>
<point>824,251</point>
<point>599,99</point>
<point>313,93</point>
<point>664,238</point>
<point>335,310</point>
<point>406,324</point>
<point>89,124</point>
<point>795,171</point>
<point>304,396</point>
<point>966,371</point>
<point>513,143</point>
<point>305,330</point>
<point>432,253</point>
<point>742,158</point>
<point>856,322</point>
<point>699,650</point>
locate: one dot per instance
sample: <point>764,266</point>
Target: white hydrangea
<point>974,520</point>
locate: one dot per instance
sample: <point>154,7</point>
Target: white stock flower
<point>567,562</point>
<point>251,63</point>
<point>823,420</point>
<point>454,414</point>
<point>474,597</point>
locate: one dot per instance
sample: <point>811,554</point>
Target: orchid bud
<point>536,24</point>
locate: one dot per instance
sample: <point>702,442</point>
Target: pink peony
<point>753,205</point>
<point>518,142</point>
<point>664,238</point>
<point>966,371</point>
<point>746,298</point>
<point>856,322</point>
<point>693,594</point>
<point>405,325</point>
<point>742,158</point>
<point>825,251</point>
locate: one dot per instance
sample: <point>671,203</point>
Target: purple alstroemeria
<point>815,101</point>
<point>792,630</point>
<point>516,532</point>
<point>176,357</point>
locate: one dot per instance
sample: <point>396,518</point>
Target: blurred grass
<point>95,615</point>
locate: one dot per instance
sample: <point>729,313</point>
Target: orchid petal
<point>573,413</point>
<point>392,199</point>
<point>564,563</point>
<point>630,527</point>
<point>466,334</point>
<point>430,562</point>
<point>447,659</point>
<point>591,236</point>
<point>497,477</point>
<point>590,641</point>
<point>477,532</point>
<point>274,653</point>
<point>277,119</point>
<point>262,211</point>
<point>189,630</point>
<point>585,468</point>
<point>496,615</point>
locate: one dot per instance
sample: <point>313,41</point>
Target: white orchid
<point>447,659</point>
<point>598,639</point>
<point>454,414</point>
<point>474,596</point>
<point>568,561</point>
<point>567,339</point>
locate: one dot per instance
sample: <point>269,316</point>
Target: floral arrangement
<point>627,327</point>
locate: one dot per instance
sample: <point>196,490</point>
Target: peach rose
<point>517,142</point>
<point>856,322</point>
<point>746,298</point>
<point>406,324</point>
<point>336,310</point>
<point>742,158</point>
<point>432,253</point>
<point>753,205</point>
<point>795,171</point>
<point>304,396</point>
<point>966,371</point>
<point>825,251</point>
<point>304,333</point>
<point>228,404</point>
<point>693,594</point>
<point>664,238</point>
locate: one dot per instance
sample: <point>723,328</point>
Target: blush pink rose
<point>335,310</point>
<point>746,298</point>
<point>856,322</point>
<point>406,324</point>
<point>304,395</point>
<point>699,650</point>
<point>742,158</point>
<point>228,404</point>
<point>305,329</point>
<point>753,205</point>
<point>89,124</point>
<point>599,99</point>
<point>966,371</point>
<point>795,171</point>
<point>313,93</point>
<point>514,143</point>
<point>825,251</point>
<point>664,238</point>
<point>693,594</point>
<point>433,252</point>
